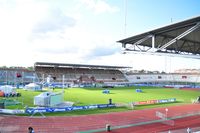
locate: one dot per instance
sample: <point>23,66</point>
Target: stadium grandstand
<point>175,79</point>
<point>17,76</point>
<point>79,73</point>
<point>87,75</point>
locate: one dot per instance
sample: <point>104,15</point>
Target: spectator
<point>189,130</point>
<point>108,127</point>
<point>30,130</point>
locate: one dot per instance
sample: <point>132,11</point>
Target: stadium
<point>61,97</point>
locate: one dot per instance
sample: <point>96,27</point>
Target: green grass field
<point>87,96</point>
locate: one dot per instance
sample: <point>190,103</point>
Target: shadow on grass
<point>140,92</point>
<point>139,107</point>
<point>108,93</point>
<point>115,88</point>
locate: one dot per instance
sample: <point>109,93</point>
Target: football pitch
<point>89,96</point>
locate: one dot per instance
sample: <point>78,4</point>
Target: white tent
<point>7,89</point>
<point>48,99</point>
<point>42,99</point>
<point>33,86</point>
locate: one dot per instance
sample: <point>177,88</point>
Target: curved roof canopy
<point>182,38</point>
<point>62,65</point>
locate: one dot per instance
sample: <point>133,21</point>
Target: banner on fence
<point>155,101</point>
<point>49,109</point>
<point>10,111</point>
<point>167,100</point>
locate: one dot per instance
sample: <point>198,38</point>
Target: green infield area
<point>88,96</point>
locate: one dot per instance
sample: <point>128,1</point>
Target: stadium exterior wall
<point>158,78</point>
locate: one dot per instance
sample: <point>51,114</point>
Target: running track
<point>71,124</point>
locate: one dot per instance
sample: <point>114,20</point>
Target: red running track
<point>70,124</point>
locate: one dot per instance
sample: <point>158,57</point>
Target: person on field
<point>189,130</point>
<point>30,130</point>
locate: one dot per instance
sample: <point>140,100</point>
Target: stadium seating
<point>13,76</point>
<point>80,75</point>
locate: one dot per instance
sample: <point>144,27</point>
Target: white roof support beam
<point>140,41</point>
<point>179,37</point>
<point>163,54</point>
<point>153,43</point>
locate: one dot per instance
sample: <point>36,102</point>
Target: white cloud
<point>99,6</point>
<point>33,30</point>
<point>17,19</point>
<point>103,50</point>
<point>54,20</point>
<point>75,42</point>
<point>37,31</point>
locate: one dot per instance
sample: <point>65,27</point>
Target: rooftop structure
<point>177,39</point>
<point>63,65</point>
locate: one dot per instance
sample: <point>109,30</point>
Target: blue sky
<point>86,31</point>
<point>150,14</point>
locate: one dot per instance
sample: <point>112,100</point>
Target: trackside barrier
<point>66,109</point>
<point>155,101</point>
<point>10,111</point>
<point>163,117</point>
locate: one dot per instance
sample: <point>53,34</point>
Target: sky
<point>87,31</point>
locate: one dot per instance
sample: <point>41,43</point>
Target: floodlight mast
<point>43,80</point>
<point>125,17</point>
<point>22,79</point>
<point>6,77</point>
<point>63,83</point>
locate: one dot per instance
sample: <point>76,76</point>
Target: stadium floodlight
<point>63,82</point>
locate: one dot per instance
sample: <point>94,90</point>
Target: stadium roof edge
<point>77,65</point>
<point>181,38</point>
<point>173,26</point>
